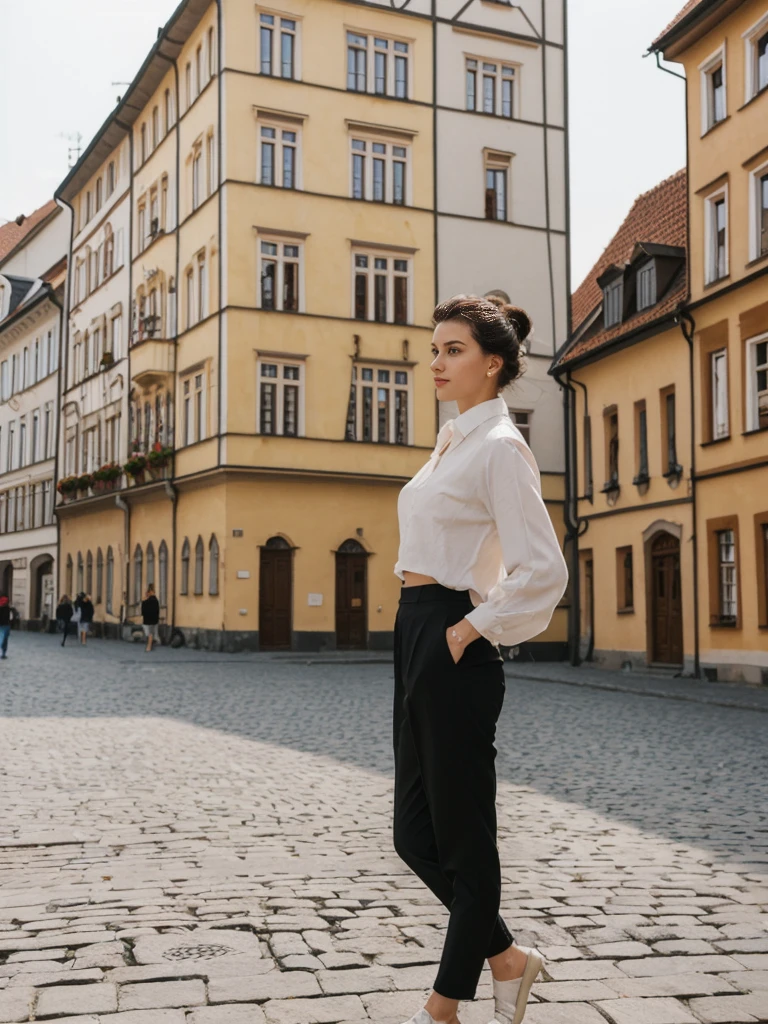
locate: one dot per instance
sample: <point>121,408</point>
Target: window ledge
<point>715,126</point>
<point>716,624</point>
<point>755,430</point>
<point>673,474</point>
<point>758,259</point>
<point>717,281</point>
<point>715,440</point>
<point>625,611</point>
<point>757,95</point>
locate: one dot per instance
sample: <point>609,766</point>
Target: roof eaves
<point>679,28</point>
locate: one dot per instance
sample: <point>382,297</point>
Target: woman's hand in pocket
<point>459,637</point>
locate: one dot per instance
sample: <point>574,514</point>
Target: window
<point>168,109</point>
<point>162,590</point>
<point>387,60</point>
<point>143,136</point>
<point>496,192</point>
<point>728,595</point>
<point>277,42</point>
<point>211,53</point>
<point>379,405</point>
<point>210,162</point>
<point>757,382</point>
<point>199,558</point>
<point>716,236</point>
<point>138,590</point>
<point>379,171</point>
<point>197,183</point>
<point>758,204</point>
<point>281,393</point>
<point>646,286</point>
<point>613,300</point>
<point>611,424</point>
<point>22,442</point>
<point>522,421</point>
<point>150,565</point>
<point>213,566</point>
<point>115,342</point>
<point>278,156</point>
<point>713,95</point>
<point>79,572</point>
<point>184,581</point>
<point>756,58</point>
<point>193,408</point>
<point>99,193</point>
<point>142,228</point>
<point>669,434</point>
<point>110,178</point>
<point>155,127</point>
<point>642,475</point>
<point>68,578</point>
<point>188,83</point>
<point>35,440</point>
<point>109,252</point>
<point>490,87</point>
<point>625,599</point>
<point>110,581</point>
<point>280,276</point>
<point>202,287</point>
<point>719,392</point>
<point>198,70</point>
<point>382,288</point>
<point>89,573</point>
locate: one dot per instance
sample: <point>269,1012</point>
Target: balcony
<point>151,358</point>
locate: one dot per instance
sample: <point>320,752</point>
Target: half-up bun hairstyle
<point>498,327</point>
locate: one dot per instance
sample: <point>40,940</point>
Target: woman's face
<point>460,367</point>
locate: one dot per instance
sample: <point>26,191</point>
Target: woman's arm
<point>521,605</point>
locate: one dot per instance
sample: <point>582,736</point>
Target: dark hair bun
<point>519,320</point>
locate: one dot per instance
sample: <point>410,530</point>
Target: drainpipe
<point>56,302</point>
<point>687,325</point>
<point>126,509</point>
<point>172,493</point>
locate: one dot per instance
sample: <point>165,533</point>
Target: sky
<point>627,118</point>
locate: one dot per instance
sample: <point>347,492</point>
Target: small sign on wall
<point>243,574</point>
<point>314,600</point>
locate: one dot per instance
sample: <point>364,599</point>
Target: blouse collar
<point>465,422</point>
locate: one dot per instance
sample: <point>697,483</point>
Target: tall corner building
<point>261,230</point>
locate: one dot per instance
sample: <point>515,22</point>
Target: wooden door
<point>351,597</point>
<point>275,595</point>
<point>666,601</point>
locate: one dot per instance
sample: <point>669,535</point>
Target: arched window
<point>89,573</point>
<point>68,577</point>
<point>79,572</point>
<point>110,579</point>
<point>150,564</point>
<point>137,567</point>
<point>99,575</point>
<point>213,565</point>
<point>199,559</point>
<point>109,251</point>
<point>162,590</point>
<point>184,588</point>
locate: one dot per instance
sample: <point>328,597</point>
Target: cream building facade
<point>284,251</point>
<point>32,287</point>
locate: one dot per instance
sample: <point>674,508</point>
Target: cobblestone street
<point>192,838</point>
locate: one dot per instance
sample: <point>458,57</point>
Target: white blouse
<point>474,519</point>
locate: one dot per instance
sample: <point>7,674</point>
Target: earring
<point>490,373</point>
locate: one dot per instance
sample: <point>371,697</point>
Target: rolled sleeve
<point>521,605</point>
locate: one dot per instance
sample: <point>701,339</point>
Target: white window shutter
<point>119,247</point>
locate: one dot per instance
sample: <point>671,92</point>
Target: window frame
<point>718,415</point>
<point>752,392</point>
<point>279,144</point>
<point>390,158</point>
<point>758,235</point>
<point>276,31</point>
<point>711,232</point>
<point>646,295</point>
<point>280,383</point>
<point>371,253</point>
<point>614,287</point>
<point>752,37</point>
<point>481,71</point>
<point>392,55</point>
<point>355,426</point>
<point>707,69</point>
<point>280,259</point>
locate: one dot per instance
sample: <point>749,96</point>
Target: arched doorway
<point>41,599</point>
<point>665,605</point>
<point>275,595</point>
<point>351,597</point>
<point>6,581</point>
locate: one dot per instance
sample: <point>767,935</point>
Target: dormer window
<point>613,297</point>
<point>646,286</point>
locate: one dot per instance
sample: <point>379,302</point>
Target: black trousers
<point>444,728</point>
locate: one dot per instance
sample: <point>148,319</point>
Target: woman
<point>85,606</point>
<point>481,566</point>
<point>64,612</point>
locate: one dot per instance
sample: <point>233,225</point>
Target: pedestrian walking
<point>64,613</point>
<point>5,624</point>
<point>84,605</point>
<point>150,615</point>
<point>481,566</point>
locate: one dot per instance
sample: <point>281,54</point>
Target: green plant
<point>84,481</point>
<point>67,485</point>
<point>159,455</point>
<point>109,471</point>
<point>136,464</point>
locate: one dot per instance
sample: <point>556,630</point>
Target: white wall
<point>43,250</point>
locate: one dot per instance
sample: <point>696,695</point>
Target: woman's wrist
<point>464,632</point>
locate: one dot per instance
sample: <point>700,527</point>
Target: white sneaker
<point>422,1017</point>
<point>511,997</point>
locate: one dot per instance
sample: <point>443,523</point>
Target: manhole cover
<point>205,951</point>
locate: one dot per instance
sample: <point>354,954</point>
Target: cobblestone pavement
<point>189,838</point>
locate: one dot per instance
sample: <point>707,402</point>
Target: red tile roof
<point>659,215</point>
<point>13,232</point>
<point>690,6</point>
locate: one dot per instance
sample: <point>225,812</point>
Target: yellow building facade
<point>280,277</point>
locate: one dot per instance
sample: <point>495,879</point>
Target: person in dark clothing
<point>150,615</point>
<point>85,605</point>
<point>64,613</point>
<point>5,624</point>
